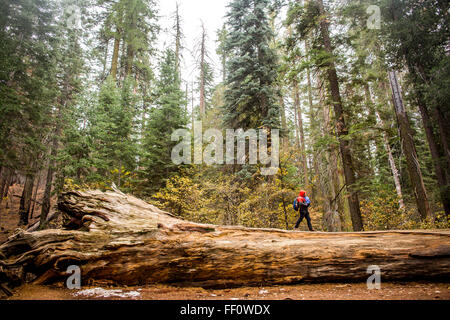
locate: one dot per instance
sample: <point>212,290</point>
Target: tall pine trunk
<point>442,175</point>
<point>342,130</point>
<point>34,199</point>
<point>304,164</point>
<point>438,148</point>
<point>394,170</point>
<point>409,148</point>
<point>115,57</point>
<point>46,201</point>
<point>387,146</point>
<point>2,182</point>
<point>202,73</point>
<point>25,200</point>
<point>177,39</point>
<point>6,182</point>
<point>285,137</point>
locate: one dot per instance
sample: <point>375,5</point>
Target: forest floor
<point>9,210</point>
<point>329,291</point>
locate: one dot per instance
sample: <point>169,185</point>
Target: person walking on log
<point>302,204</point>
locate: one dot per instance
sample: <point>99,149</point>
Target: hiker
<point>302,204</point>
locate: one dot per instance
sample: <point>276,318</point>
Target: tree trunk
<point>302,134</point>
<point>3,174</point>
<point>126,241</point>
<point>342,130</point>
<point>387,146</point>
<point>444,132</point>
<point>440,117</point>
<point>332,165</point>
<point>409,148</point>
<point>36,190</point>
<point>442,175</point>
<point>177,40</point>
<point>4,188</point>
<point>439,153</point>
<point>25,200</point>
<point>45,209</point>
<point>115,57</point>
<point>297,135</point>
<point>202,73</point>
<point>285,137</point>
<point>283,198</point>
<point>395,172</point>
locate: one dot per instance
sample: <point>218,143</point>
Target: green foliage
<point>27,81</point>
<point>251,98</point>
<point>167,116</point>
<point>54,86</point>
<point>381,212</point>
<point>112,130</point>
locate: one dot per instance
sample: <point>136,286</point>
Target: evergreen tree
<point>251,97</point>
<point>27,89</point>
<point>114,132</point>
<point>167,116</point>
<point>69,60</point>
<point>417,36</point>
<point>222,35</point>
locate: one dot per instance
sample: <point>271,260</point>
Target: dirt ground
<point>9,210</point>
<point>355,291</point>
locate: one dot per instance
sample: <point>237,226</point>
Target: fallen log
<point>119,239</point>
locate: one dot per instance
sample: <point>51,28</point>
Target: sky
<point>193,12</point>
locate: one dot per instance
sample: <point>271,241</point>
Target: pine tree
<point>251,97</point>
<point>114,132</point>
<point>132,25</point>
<point>417,35</point>
<point>222,35</point>
<point>167,116</point>
<point>69,62</point>
<point>27,90</point>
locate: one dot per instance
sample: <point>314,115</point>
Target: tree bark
<point>115,57</point>
<point>387,146</point>
<point>130,43</point>
<point>3,174</point>
<point>442,175</point>
<point>126,241</point>
<point>285,137</point>
<point>394,170</point>
<point>177,39</point>
<point>7,183</point>
<point>444,131</point>
<point>36,190</point>
<point>412,161</point>
<point>45,209</point>
<point>441,160</point>
<point>25,200</point>
<point>202,73</point>
<point>302,134</point>
<point>342,130</point>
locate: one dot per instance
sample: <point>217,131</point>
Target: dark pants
<point>304,214</point>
